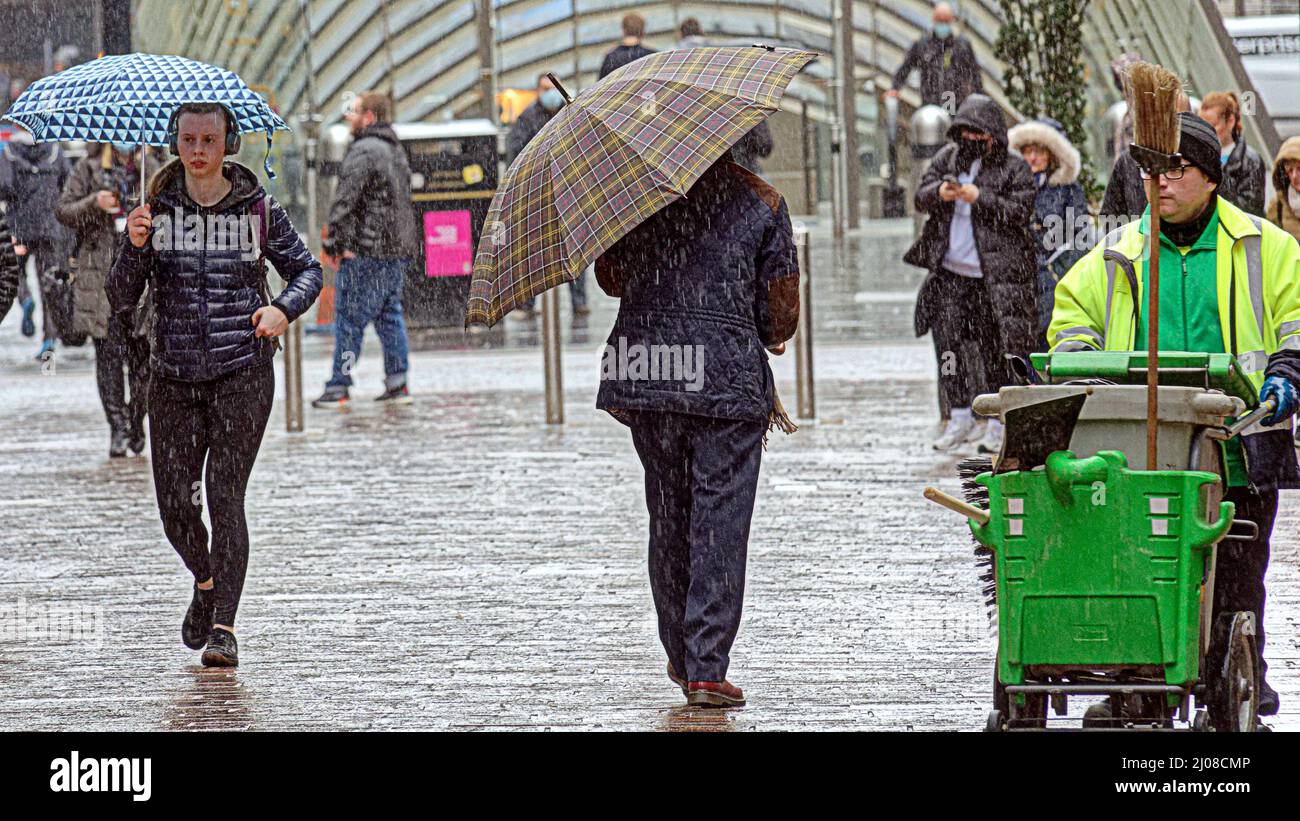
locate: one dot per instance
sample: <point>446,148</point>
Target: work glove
<point>1282,392</point>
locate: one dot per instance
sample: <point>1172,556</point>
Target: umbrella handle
<point>559,86</point>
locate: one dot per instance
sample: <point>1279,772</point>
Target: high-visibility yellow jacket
<point>1258,280</point>
<point>1258,266</point>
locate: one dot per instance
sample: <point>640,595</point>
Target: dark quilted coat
<point>715,269</point>
<point>205,299</point>
<point>1001,218</point>
<point>10,270</point>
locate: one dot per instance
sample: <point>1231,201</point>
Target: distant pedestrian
<point>1244,171</point>
<point>372,226</point>
<point>946,60</point>
<point>10,269</point>
<point>522,131</point>
<point>690,34</point>
<point>706,286</point>
<point>1284,209</point>
<point>94,205</point>
<point>32,176</point>
<point>1061,223</point>
<point>629,48</point>
<point>979,300</point>
<point>212,350</point>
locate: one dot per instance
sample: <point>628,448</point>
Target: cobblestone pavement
<point>458,564</point>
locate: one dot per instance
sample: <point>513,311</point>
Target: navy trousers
<point>701,475</point>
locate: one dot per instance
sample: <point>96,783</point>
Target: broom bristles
<point>1152,93</point>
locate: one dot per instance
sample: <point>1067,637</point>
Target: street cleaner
<point>1230,283</point>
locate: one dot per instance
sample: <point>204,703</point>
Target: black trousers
<point>1240,566</point>
<point>123,350</point>
<point>45,256</point>
<point>967,342</point>
<point>701,476</point>
<point>220,421</point>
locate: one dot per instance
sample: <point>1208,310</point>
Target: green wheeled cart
<point>1104,570</point>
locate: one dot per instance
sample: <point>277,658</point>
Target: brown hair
<point>1227,104</point>
<point>377,103</point>
<point>633,25</point>
<point>691,28</point>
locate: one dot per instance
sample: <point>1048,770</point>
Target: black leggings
<point>223,420</point>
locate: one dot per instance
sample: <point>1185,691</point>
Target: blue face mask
<point>942,30</point>
<point>124,149</point>
<point>552,99</point>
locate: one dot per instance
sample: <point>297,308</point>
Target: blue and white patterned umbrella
<point>129,99</point>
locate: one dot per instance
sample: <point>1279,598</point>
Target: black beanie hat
<point>1199,145</point>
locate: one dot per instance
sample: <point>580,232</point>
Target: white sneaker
<point>956,432</point>
<point>977,430</point>
<point>992,441</point>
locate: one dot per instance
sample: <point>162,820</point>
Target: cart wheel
<point>1234,692</point>
<point>996,722</point>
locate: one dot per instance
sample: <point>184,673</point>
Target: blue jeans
<point>369,290</point>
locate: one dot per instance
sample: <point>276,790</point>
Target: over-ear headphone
<point>173,132</point>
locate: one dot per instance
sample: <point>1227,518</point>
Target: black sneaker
<point>395,396</point>
<point>198,619</point>
<point>334,397</point>
<point>136,443</point>
<point>222,649</point>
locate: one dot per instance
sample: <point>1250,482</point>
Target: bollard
<point>551,357</point>
<point>803,335</point>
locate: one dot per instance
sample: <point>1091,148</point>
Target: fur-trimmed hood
<point>1047,132</point>
<point>1290,150</point>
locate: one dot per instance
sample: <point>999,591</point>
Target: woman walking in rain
<point>705,285</point>
<point>211,350</point>
<point>1058,205</point>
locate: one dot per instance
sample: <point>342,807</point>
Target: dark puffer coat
<point>1244,178</point>
<point>10,270</point>
<point>1001,218</point>
<point>372,215</point>
<point>205,298</point>
<point>713,276</point>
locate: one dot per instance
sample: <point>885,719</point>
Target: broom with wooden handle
<point>1153,93</point>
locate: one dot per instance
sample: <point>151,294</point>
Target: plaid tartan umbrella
<point>624,149</point>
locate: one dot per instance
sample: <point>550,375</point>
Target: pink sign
<point>448,246</point>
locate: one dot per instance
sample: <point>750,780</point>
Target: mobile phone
<point>951,178</point>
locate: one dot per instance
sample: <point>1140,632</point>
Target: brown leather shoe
<point>714,694</point>
<point>676,679</point>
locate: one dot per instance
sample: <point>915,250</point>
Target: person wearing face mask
<point>1284,209</point>
<point>978,300</point>
<point>529,123</point>
<point>94,204</point>
<point>1060,222</point>
<point>949,71</point>
<point>1243,169</point>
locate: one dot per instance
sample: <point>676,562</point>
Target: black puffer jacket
<point>10,270</point>
<point>1001,218</point>
<point>371,215</point>
<point>205,299</point>
<point>1243,179</point>
<point>705,284</point>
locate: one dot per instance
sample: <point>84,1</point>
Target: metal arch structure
<point>431,60</point>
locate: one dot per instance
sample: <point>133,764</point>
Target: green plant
<point>1041,45</point>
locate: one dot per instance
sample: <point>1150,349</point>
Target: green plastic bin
<point>1099,567</point>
